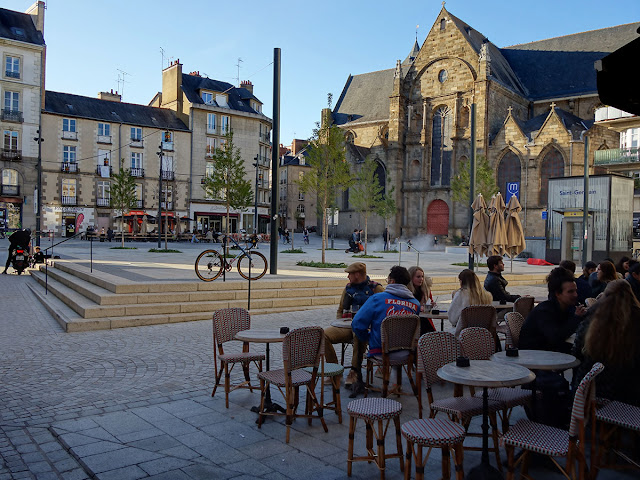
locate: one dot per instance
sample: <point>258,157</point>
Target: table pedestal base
<point>484,472</point>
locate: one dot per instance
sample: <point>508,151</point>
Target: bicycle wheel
<point>209,265</point>
<point>258,265</point>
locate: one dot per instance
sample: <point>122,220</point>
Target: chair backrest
<point>399,332</point>
<point>514,321</point>
<point>477,343</point>
<point>483,316</point>
<point>435,350</point>
<point>302,348</point>
<point>583,400</point>
<point>523,305</point>
<point>229,321</point>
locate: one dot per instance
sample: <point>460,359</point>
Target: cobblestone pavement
<point>135,403</point>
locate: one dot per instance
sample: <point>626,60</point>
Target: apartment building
<point>22,51</point>
<point>87,141</point>
<point>211,108</point>
<point>297,209</point>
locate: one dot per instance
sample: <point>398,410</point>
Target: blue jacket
<point>397,299</point>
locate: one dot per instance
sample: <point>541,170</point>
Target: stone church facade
<point>534,106</point>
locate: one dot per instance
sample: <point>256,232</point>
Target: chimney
<point>247,85</point>
<point>110,96</point>
<point>171,83</point>
<point>297,145</point>
<point>195,73</point>
<point>37,15</point>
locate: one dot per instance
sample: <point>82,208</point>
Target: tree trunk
<point>324,226</point>
<point>122,227</point>
<point>226,243</point>
<point>366,219</point>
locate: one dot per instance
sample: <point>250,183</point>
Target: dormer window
<point>221,100</point>
<point>443,24</point>
<point>207,98</point>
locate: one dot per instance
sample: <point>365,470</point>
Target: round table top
<point>485,373</point>
<point>538,359</point>
<point>345,323</point>
<point>443,315</point>
<point>261,335</point>
<point>502,306</point>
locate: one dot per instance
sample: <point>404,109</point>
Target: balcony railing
<point>103,202</point>
<point>264,137</point>
<point>9,115</point>
<point>137,172</point>
<point>136,142</point>
<point>69,167</point>
<point>168,174</point>
<point>167,205</point>
<point>214,130</point>
<point>11,190</point>
<point>168,146</point>
<point>264,161</point>
<point>67,135</point>
<point>615,156</point>
<point>104,171</point>
<point>10,74</point>
<point>68,200</point>
<point>139,203</point>
<point>11,154</point>
<point>104,138</point>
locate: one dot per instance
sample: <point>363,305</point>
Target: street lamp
<point>38,207</point>
<point>159,196</point>
<point>255,207</point>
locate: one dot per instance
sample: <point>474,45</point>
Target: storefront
<point>610,218</point>
<point>67,221</point>
<point>10,214</point>
<point>207,217</point>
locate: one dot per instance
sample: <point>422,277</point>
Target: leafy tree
<point>227,182</point>
<point>329,173</point>
<point>367,195</point>
<point>123,194</point>
<point>485,180</point>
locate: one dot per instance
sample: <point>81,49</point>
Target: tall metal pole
<point>159,221</point>
<point>275,162</point>
<point>255,203</point>
<point>38,209</point>
<point>472,175</point>
<point>585,212</point>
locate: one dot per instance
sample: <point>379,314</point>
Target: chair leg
<point>396,421</point>
<point>386,373</point>
<point>336,399</point>
<point>419,464</point>
<point>352,431</point>
<point>263,386</point>
<point>290,403</point>
<point>524,469</point>
<point>496,443</point>
<point>446,463</point>
<point>247,378</point>
<point>227,384</point>
<point>510,462</point>
<point>218,377</point>
<point>381,455</point>
<point>459,463</point>
<point>368,378</point>
<point>407,456</point>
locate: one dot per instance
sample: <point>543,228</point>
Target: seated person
<point>470,293</point>
<point>209,236</point>
<point>587,270</point>
<point>420,286</point>
<point>396,299</point>
<point>584,291</point>
<point>611,335</point>
<point>606,273</point>
<point>634,279</point>
<point>38,256</point>
<point>495,283</point>
<point>359,289</point>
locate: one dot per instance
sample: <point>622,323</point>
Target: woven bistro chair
<point>226,323</point>
<point>514,321</point>
<point>301,348</point>
<point>554,442</point>
<point>477,344</point>
<point>480,316</point>
<point>399,336</point>
<point>435,350</point>
<point>612,418</point>
<point>523,305</point>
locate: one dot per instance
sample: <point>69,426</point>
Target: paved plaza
<point>136,402</point>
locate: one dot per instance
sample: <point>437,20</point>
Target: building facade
<point>22,51</point>
<point>212,108</point>
<point>88,140</point>
<point>534,105</point>
<point>296,208</point>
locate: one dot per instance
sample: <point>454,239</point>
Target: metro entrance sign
<point>513,188</point>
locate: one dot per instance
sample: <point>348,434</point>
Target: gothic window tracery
<point>509,170</point>
<point>441,147</point>
<point>552,166</point>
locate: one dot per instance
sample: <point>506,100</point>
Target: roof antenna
<point>162,53</point>
<point>238,77</point>
<point>417,26</point>
<point>121,79</point>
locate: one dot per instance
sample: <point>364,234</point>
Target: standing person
<point>287,239</point>
<point>495,283</point>
<point>19,238</point>
<point>359,289</point>
<point>386,237</point>
<point>109,234</point>
<point>420,286</point>
<point>396,299</point>
<point>611,335</point>
<point>281,233</point>
<point>305,234</point>
<point>470,293</point>
<point>606,273</point>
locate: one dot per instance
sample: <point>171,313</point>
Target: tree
<point>367,195</point>
<point>123,194</point>
<point>227,181</point>
<point>485,181</point>
<point>329,173</point>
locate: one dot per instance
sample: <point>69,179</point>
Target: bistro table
<point>485,374</point>
<point>442,316</point>
<point>502,306</point>
<point>266,336</point>
<point>345,323</point>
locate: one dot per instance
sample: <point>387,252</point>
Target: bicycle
<point>210,263</point>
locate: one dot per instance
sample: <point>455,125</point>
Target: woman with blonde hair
<point>611,335</point>
<point>471,292</point>
<point>420,285</point>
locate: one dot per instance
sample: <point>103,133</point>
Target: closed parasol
<point>134,224</point>
<point>478,236</point>
<point>515,236</point>
<point>143,227</point>
<point>497,238</point>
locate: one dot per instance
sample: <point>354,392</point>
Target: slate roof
<point>574,124</point>
<point>412,54</point>
<point>237,98</point>
<point>78,106</point>
<point>564,66</point>
<point>365,98</point>
<point>19,26</point>
<point>358,152</point>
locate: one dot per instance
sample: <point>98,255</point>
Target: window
<point>381,175</point>
<point>225,123</point>
<point>443,24</point>
<point>630,138</point>
<point>12,67</point>
<point>68,125</point>
<point>552,166</point>
<point>207,98</point>
<point>300,209</point>
<point>221,100</point>
<point>168,137</point>
<point>104,193</point>
<point>441,147</point>
<point>136,134</point>
<point>69,154</point>
<point>139,198</point>
<point>301,196</point>
<point>211,122</point>
<point>136,160</point>
<point>68,190</point>
<point>209,169</point>
<point>11,101</point>
<point>211,146</point>
<point>167,196</point>
<point>10,140</point>
<point>167,163</point>
<point>509,171</point>
<point>104,157</point>
<point>9,177</point>
<point>104,129</point>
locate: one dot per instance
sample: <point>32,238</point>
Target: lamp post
<point>255,206</point>
<point>159,220</point>
<point>38,207</point>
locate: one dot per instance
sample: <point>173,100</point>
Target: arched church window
<point>443,24</point>
<point>552,166</point>
<point>441,147</point>
<point>381,175</point>
<point>415,170</point>
<point>509,171</point>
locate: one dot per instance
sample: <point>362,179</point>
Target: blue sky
<point>88,42</point>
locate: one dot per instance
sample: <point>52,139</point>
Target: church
<point>534,107</point>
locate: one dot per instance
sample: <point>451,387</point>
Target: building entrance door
<point>572,239</point>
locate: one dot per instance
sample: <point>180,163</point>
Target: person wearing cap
<point>359,289</point>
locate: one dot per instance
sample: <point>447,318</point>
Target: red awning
<point>214,214</point>
<point>264,216</point>
<point>136,212</point>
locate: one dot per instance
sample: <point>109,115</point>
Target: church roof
<point>365,98</point>
<point>19,26</point>
<point>358,152</point>
<point>412,54</point>
<point>563,66</point>
<point>572,123</point>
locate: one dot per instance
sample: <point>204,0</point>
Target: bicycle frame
<point>229,264</point>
